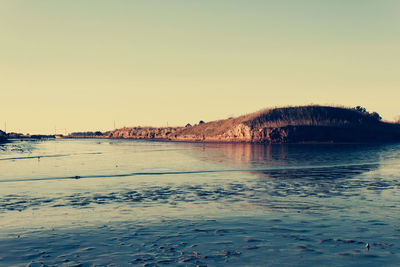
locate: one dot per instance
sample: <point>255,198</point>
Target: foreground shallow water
<point>124,202</point>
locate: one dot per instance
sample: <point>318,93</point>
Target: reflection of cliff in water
<point>240,155</point>
<point>290,155</point>
<point>304,170</point>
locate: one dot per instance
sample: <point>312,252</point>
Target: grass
<point>311,115</point>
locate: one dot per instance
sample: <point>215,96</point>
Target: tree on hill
<point>376,116</point>
<point>363,110</point>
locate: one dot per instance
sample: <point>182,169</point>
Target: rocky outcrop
<point>272,135</point>
<point>240,131</point>
<point>3,137</point>
<point>284,125</point>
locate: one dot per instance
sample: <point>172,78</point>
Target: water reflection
<point>255,155</point>
<point>322,171</point>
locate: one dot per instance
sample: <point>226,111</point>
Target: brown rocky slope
<point>279,125</point>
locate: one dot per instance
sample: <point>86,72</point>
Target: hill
<point>279,125</point>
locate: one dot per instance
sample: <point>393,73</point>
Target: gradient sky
<point>80,64</point>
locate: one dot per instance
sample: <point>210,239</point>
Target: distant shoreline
<point>293,125</point>
<point>233,142</point>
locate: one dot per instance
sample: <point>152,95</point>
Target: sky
<point>81,65</point>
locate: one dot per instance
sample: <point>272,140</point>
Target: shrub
<point>361,109</point>
<point>376,116</point>
<point>373,115</point>
<point>313,115</point>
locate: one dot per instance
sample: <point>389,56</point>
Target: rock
<point>3,137</point>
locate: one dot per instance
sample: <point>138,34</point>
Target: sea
<point>104,202</point>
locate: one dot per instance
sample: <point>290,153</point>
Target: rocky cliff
<point>279,125</point>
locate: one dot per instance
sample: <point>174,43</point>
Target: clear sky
<point>80,64</point>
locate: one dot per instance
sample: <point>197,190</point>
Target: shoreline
<point>231,142</point>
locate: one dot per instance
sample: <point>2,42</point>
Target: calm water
<point>122,202</point>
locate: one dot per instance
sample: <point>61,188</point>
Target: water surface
<point>124,202</point>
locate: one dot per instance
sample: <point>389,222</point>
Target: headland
<point>301,124</point>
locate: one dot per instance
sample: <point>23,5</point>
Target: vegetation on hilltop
<point>212,128</point>
<point>313,115</point>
